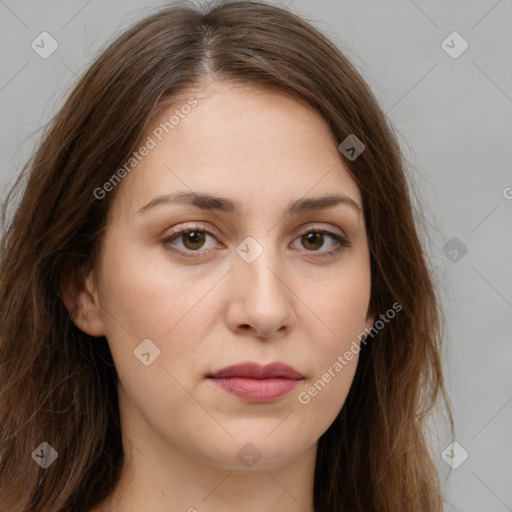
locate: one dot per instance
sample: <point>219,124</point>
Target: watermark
<point>507,192</point>
<point>249,249</point>
<point>146,352</point>
<point>44,45</point>
<point>454,45</point>
<point>304,397</point>
<point>454,455</point>
<point>151,142</point>
<point>45,455</point>
<point>249,455</point>
<point>351,147</point>
<point>454,249</point>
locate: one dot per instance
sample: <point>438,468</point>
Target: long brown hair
<point>59,385</point>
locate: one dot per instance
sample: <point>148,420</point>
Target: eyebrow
<point>223,204</point>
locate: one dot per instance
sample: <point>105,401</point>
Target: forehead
<point>242,142</point>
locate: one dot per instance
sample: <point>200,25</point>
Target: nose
<point>261,300</point>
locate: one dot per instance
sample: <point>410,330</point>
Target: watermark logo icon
<point>147,352</point>
<point>454,45</point>
<point>351,147</point>
<point>454,455</point>
<point>44,45</point>
<point>249,249</point>
<point>45,455</point>
<point>454,249</point>
<point>249,455</point>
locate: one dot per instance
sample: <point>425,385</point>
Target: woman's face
<point>258,275</point>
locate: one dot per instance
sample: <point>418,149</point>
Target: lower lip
<point>257,390</point>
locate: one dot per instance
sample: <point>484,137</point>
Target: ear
<point>79,295</point>
<point>370,320</point>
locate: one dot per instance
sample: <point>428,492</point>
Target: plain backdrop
<point>452,113</point>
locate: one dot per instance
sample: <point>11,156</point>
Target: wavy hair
<point>59,385</point>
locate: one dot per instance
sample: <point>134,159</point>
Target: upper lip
<point>257,371</point>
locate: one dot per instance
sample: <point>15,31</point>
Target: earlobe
<point>81,300</point>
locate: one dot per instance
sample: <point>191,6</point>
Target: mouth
<point>255,383</point>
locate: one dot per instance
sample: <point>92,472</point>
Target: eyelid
<point>321,227</point>
<point>194,226</point>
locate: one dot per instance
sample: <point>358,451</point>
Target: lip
<point>256,383</point>
<point>258,371</point>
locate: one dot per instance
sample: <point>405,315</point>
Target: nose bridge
<point>259,267</point>
<point>265,301</point>
<point>263,275</point>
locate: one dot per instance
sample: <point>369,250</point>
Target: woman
<point>213,292</point>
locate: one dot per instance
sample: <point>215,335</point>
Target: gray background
<point>453,117</point>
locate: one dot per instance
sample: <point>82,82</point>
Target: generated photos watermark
<point>152,141</point>
<point>304,397</point>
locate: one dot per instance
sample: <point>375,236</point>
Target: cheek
<point>340,314</point>
<point>320,402</point>
<point>153,301</point>
<point>340,307</point>
<point>147,296</point>
<point>333,355</point>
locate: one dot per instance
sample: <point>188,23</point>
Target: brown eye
<point>190,240</point>
<point>321,243</point>
<point>312,240</point>
<point>193,239</point>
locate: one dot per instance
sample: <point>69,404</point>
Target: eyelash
<point>341,242</point>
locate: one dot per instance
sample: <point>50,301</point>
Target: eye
<point>314,239</point>
<point>190,239</point>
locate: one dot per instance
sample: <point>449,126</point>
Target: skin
<point>181,434</point>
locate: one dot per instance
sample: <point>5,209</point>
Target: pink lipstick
<point>256,383</point>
